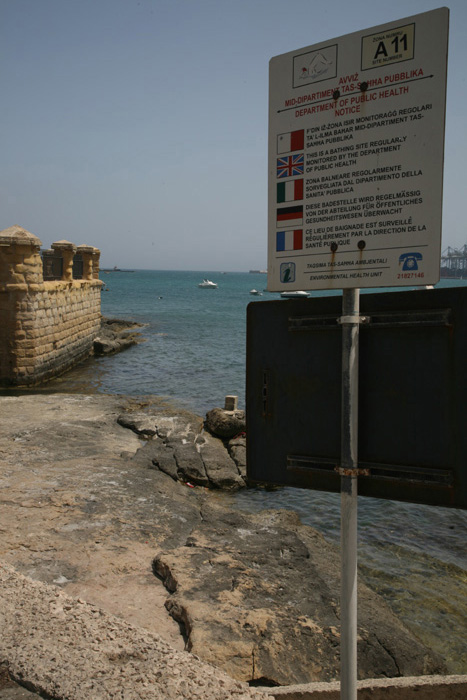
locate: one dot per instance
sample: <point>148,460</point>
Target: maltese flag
<point>291,141</point>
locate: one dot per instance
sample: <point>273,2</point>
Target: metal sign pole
<point>350,321</point>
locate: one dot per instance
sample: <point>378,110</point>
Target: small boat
<point>207,284</point>
<point>256,293</point>
<point>295,295</point>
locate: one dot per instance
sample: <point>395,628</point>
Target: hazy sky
<point>140,126</point>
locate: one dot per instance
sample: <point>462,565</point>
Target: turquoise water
<point>196,338</point>
<point>195,354</point>
<point>195,349</point>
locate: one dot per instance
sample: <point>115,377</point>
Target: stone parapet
<point>67,251</point>
<point>48,326</point>
<point>96,256</point>
<point>87,252</point>
<point>20,260</point>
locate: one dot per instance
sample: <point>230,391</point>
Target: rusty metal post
<point>350,321</point>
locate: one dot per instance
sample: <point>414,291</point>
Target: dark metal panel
<point>412,394</point>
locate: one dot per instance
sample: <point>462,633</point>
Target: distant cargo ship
<point>256,272</point>
<point>114,269</point>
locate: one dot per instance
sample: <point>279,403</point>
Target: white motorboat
<point>295,295</point>
<point>207,284</point>
<point>256,293</point>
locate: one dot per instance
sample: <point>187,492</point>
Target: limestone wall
<point>46,326</point>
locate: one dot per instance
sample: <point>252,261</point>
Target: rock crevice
<point>247,589</point>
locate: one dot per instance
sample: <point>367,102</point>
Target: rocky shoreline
<point>124,520</point>
<point>211,454</point>
<point>116,335</point>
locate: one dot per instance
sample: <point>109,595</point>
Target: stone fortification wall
<point>47,325</point>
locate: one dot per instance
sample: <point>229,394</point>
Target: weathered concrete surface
<point>409,688</point>
<point>85,507</point>
<point>68,649</point>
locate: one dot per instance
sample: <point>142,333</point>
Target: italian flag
<point>289,240</point>
<point>289,191</point>
<point>291,141</point>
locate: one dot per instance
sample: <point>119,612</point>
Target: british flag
<point>290,166</point>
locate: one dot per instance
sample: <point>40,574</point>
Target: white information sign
<point>356,148</point>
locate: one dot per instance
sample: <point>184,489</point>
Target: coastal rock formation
<point>243,586</point>
<point>186,452</point>
<point>237,450</point>
<point>222,470</point>
<point>258,596</point>
<point>225,424</point>
<point>116,335</point>
<point>96,510</point>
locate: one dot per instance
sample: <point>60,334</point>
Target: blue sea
<point>194,355</point>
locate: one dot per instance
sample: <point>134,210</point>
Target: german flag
<point>290,216</point>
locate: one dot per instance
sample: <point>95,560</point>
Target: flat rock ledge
<point>63,647</point>
<point>256,595</point>
<point>116,335</point>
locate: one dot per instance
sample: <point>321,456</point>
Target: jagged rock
<point>225,424</point>
<point>237,450</point>
<point>220,468</point>
<point>184,451</point>
<point>185,426</point>
<point>203,460</point>
<point>189,462</point>
<point>155,454</point>
<point>106,346</point>
<point>259,598</point>
<point>116,335</point>
<point>163,458</point>
<point>138,422</point>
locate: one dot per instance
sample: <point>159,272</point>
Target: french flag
<point>289,240</point>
